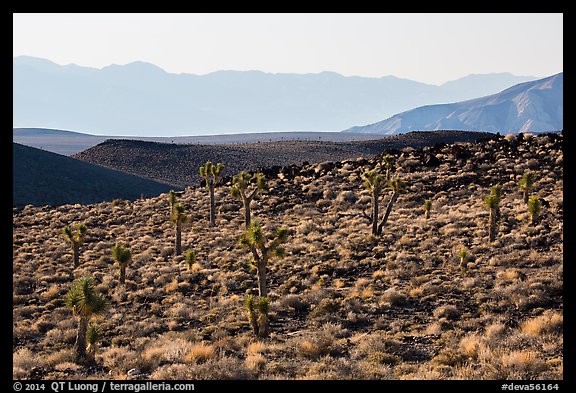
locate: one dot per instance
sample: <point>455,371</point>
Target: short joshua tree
<point>84,302</point>
<point>263,251</point>
<point>526,184</point>
<point>245,187</point>
<point>190,258</point>
<point>492,202</point>
<point>534,208</point>
<point>388,162</point>
<point>212,174</point>
<point>122,256</point>
<point>76,238</point>
<point>375,183</point>
<point>257,312</point>
<point>178,217</point>
<point>463,254</point>
<point>93,335</point>
<point>427,208</point>
<point>496,190</point>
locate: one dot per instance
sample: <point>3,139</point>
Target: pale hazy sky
<point>431,48</point>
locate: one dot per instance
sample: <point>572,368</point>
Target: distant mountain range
<point>142,99</point>
<point>535,106</point>
<point>44,178</point>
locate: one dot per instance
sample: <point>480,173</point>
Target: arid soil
<point>344,304</point>
<point>179,163</point>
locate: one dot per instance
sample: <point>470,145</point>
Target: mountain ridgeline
<point>142,99</point>
<point>535,106</point>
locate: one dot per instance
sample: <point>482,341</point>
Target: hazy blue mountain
<point>142,99</point>
<point>535,106</point>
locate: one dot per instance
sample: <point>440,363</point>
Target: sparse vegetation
<point>212,175</point>
<point>76,238</point>
<point>343,304</point>
<point>242,189</point>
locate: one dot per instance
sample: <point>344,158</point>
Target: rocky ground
<point>178,164</point>
<point>345,304</point>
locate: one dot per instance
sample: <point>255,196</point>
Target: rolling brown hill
<point>344,304</point>
<point>44,178</point>
<point>179,163</point>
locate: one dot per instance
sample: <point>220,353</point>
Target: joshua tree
<point>463,253</point>
<point>239,189</point>
<point>190,258</point>
<point>255,241</point>
<point>76,238</point>
<point>122,255</point>
<point>492,202</point>
<point>172,199</point>
<point>526,184</point>
<point>427,208</point>
<point>212,174</point>
<point>84,301</point>
<point>375,182</point>
<point>178,217</point>
<point>496,190</point>
<point>388,161</point>
<point>534,208</point>
<point>258,323</point>
<point>93,335</point>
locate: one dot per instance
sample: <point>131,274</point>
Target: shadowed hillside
<point>44,178</point>
<point>343,303</point>
<point>179,163</point>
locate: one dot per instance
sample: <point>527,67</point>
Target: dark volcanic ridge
<point>43,178</point>
<point>178,163</point>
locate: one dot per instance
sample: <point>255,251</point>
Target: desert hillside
<point>44,178</point>
<point>344,304</point>
<point>179,163</point>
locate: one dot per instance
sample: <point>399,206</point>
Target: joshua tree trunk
<point>375,213</point>
<point>388,210</point>
<point>525,193</point>
<point>212,208</point>
<point>426,214</point>
<point>122,274</point>
<point>247,211</point>
<point>178,238</point>
<point>492,225</point>
<point>76,253</point>
<point>262,325</point>
<point>533,218</point>
<point>462,265</point>
<point>80,344</point>
<point>262,280</point>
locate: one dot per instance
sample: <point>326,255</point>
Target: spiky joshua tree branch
<point>212,174</point>
<point>76,238</point>
<point>245,187</point>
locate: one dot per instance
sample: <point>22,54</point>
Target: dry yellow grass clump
<point>344,304</point>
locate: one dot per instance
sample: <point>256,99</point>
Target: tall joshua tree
<point>172,199</point>
<point>241,189</point>
<point>122,255</point>
<point>178,217</point>
<point>84,302</point>
<point>212,174</point>
<point>427,208</point>
<point>492,202</point>
<point>263,251</point>
<point>526,184</point>
<point>534,208</point>
<point>496,190</point>
<point>375,182</point>
<point>76,238</point>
